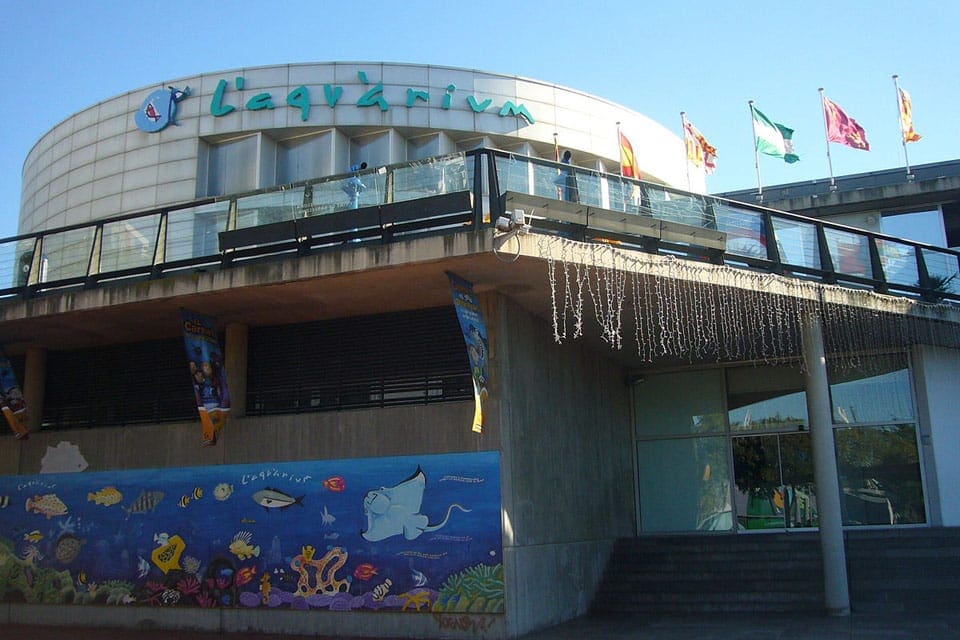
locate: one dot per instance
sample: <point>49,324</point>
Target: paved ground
<point>945,626</point>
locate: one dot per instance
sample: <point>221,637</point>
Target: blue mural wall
<point>415,534</point>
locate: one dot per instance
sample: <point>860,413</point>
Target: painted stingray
<point>392,511</point>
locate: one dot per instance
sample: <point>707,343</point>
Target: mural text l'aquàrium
<point>415,534</point>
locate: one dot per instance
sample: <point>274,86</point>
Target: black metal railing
<point>465,192</point>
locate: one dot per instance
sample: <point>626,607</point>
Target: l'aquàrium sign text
<point>159,108</point>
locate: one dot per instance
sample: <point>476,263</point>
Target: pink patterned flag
<point>842,128</point>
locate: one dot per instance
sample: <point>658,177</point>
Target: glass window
<point>879,471</point>
<point>302,158</point>
<point>766,398</point>
<point>685,403</point>
<point>684,485</point>
<point>877,392</point>
<point>232,167</point>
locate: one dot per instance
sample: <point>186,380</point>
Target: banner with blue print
<point>474,331</point>
<point>207,374</point>
<point>12,402</point>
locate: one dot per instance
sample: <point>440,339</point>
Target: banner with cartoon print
<point>207,373</point>
<point>12,404</point>
<point>405,534</point>
<point>475,335</point>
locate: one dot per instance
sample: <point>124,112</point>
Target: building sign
<point>413,534</point>
<point>159,108</point>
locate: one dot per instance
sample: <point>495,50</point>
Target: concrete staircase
<point>888,570</point>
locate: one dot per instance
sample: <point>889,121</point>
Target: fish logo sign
<point>159,109</point>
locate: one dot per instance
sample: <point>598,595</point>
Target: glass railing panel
<point>943,269</point>
<point>66,254</point>
<point>267,208</point>
<point>680,208</point>
<point>430,177</point>
<point>588,188</point>
<point>797,242</point>
<point>624,195</point>
<point>16,260</point>
<point>745,229</point>
<point>850,252</point>
<point>517,174</point>
<point>350,192</point>
<point>193,232</point>
<point>899,262</point>
<point>128,244</point>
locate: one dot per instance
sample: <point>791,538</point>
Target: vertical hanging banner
<point>475,335</point>
<point>13,405</point>
<point>206,373</point>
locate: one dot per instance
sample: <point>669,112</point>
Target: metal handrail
<point>164,241</point>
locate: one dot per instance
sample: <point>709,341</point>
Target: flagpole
<point>686,153</point>
<point>903,134</point>
<point>826,136</point>
<point>756,151</point>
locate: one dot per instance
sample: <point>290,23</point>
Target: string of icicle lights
<point>687,310</point>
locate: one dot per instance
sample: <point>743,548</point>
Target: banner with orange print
<point>207,374</point>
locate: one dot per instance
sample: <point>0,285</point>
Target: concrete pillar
<point>34,385</point>
<point>235,363</point>
<point>837,596</point>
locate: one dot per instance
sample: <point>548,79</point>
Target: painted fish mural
<point>121,537</point>
<point>395,510</point>
<point>269,498</point>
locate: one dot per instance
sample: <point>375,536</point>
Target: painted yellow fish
<point>108,496</point>
<point>33,536</point>
<point>241,547</point>
<point>48,505</point>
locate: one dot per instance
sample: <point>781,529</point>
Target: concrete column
<point>235,363</point>
<point>837,596</point>
<point>34,385</point>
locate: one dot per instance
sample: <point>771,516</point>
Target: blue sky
<point>705,58</point>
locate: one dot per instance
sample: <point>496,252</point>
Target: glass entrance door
<point>774,487</point>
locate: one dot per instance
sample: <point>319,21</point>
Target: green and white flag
<point>773,138</point>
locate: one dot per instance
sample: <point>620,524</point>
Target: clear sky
<point>705,58</point>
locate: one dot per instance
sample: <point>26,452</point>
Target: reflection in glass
<point>797,242</point>
<point>766,398</point>
<point>774,481</point>
<point>684,403</point>
<point>880,479</point>
<point>129,243</point>
<point>193,232</point>
<point>684,485</point>
<point>850,252</point>
<point>879,393</point>
<point>266,208</point>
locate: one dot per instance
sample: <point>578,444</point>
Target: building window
<point>876,438</point>
<point>229,167</point>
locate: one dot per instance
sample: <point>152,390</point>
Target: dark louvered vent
<point>414,357</point>
<point>138,383</point>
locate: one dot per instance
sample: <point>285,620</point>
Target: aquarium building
<point>349,348</point>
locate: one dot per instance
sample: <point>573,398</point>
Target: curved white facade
<point>251,128</point>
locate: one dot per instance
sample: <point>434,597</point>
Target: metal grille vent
<point>414,357</point>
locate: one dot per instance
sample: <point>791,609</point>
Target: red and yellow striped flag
<point>628,160</point>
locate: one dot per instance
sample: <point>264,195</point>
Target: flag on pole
<point>906,118</point>
<point>773,138</point>
<point>842,128</point>
<point>628,160</point>
<point>699,151</point>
